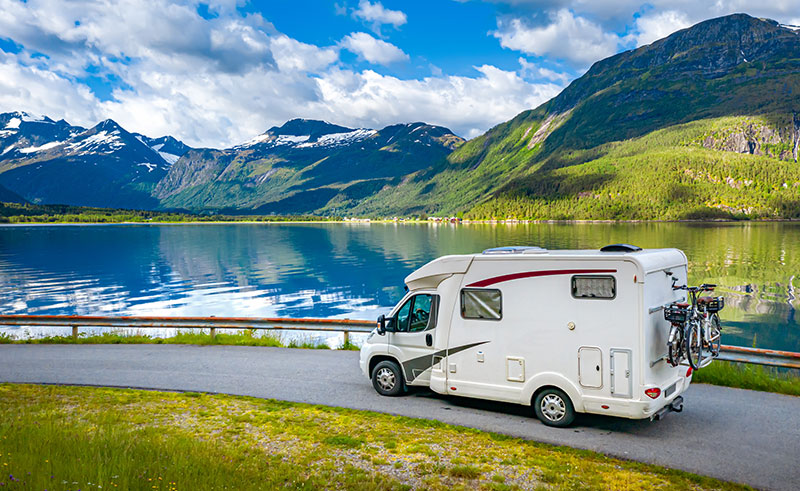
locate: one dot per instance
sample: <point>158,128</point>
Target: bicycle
<point>696,332</point>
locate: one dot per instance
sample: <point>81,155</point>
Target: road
<point>732,434</point>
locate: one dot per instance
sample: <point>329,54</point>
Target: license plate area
<point>670,390</point>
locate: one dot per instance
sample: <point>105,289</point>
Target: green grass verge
<point>753,377</point>
<point>247,337</point>
<point>95,438</point>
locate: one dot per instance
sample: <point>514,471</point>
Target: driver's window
<point>421,313</point>
<point>402,316</point>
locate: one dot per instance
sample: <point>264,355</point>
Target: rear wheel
<point>554,408</point>
<point>675,345</point>
<point>387,378</point>
<point>693,340</point>
<point>714,335</point>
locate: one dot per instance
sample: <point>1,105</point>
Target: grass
<point>753,377</point>
<point>247,337</point>
<point>93,438</point>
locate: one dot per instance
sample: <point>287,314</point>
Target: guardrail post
<point>346,338</point>
<point>213,332</point>
<point>74,332</point>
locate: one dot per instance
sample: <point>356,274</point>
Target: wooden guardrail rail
<point>739,354</point>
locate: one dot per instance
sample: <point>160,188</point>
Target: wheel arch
<point>383,357</point>
<point>552,381</point>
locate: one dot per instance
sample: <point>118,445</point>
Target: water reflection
<point>356,270</point>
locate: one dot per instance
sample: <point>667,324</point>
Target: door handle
<point>429,340</point>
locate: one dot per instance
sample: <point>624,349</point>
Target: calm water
<point>357,270</point>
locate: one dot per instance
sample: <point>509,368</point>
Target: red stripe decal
<point>531,274</point>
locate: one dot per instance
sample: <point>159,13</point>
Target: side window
<point>403,316</point>
<point>481,304</point>
<point>594,287</point>
<point>421,314</point>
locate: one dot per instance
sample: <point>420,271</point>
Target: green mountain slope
<point>304,166</point>
<point>705,122</point>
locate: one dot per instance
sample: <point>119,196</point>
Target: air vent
<point>620,248</point>
<point>513,250</point>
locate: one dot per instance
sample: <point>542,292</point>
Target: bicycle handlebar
<point>704,287</point>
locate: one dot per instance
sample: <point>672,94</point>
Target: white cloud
<point>44,92</point>
<point>466,105</point>
<point>655,26</point>
<point>566,37</point>
<point>536,72</point>
<point>377,15</point>
<point>371,49</point>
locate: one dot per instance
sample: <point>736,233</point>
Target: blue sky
<point>217,72</point>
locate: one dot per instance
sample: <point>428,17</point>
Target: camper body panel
<point>546,336</point>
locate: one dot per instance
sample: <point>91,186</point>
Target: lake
<point>357,270</point>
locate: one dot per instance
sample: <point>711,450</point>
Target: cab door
<point>411,338</point>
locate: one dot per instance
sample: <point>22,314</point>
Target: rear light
<point>653,393</point>
<point>689,372</point>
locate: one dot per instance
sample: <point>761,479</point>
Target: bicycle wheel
<point>693,342</point>
<point>675,345</point>
<point>714,335</point>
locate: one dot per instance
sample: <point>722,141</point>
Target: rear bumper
<point>643,408</point>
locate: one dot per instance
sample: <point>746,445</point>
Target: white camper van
<point>564,331</point>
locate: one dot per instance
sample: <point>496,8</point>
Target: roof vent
<point>620,248</point>
<point>512,250</point>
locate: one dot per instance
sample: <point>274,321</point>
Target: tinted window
<point>402,316</point>
<point>594,287</point>
<point>421,313</point>
<point>481,304</point>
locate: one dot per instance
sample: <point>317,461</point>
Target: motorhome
<point>564,331</point>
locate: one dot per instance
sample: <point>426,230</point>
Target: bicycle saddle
<point>705,300</point>
<point>682,305</point>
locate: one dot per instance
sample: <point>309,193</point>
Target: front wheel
<point>554,408</point>
<point>693,338</point>
<point>387,378</point>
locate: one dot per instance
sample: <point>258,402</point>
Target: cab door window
<point>420,313</point>
<point>403,316</point>
<point>417,314</point>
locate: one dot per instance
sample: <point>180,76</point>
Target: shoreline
<point>717,221</point>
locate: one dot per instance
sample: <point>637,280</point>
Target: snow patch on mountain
<point>97,140</point>
<point>149,166</point>
<point>791,27</point>
<point>13,123</point>
<point>169,157</point>
<point>8,149</point>
<point>46,146</point>
<point>340,139</point>
<point>278,140</point>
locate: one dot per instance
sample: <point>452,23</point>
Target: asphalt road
<point>732,434</point>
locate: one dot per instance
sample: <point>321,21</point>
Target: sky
<point>215,73</point>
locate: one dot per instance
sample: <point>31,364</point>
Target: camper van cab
<point>564,331</point>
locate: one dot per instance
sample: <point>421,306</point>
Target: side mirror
<point>382,325</point>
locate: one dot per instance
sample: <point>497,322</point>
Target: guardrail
<point>738,354</point>
<point>345,326</point>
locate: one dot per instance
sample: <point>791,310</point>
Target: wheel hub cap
<point>553,407</point>
<point>386,379</point>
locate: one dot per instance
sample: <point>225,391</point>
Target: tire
<point>675,345</point>
<point>714,335</point>
<point>554,408</point>
<point>693,341</point>
<point>387,379</point>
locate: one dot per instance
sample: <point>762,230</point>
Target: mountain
<point>304,166</point>
<point>703,123</point>
<point>48,161</point>
<point>7,196</point>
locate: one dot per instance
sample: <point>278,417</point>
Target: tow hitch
<point>676,405</point>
